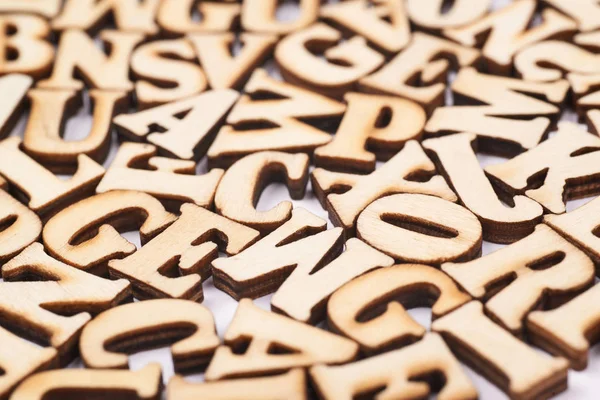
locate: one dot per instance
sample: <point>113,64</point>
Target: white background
<point>582,385</point>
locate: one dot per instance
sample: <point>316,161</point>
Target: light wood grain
<point>176,17</point>
<point>19,227</point>
<point>430,14</point>
<point>260,16</point>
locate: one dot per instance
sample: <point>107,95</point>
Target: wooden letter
<point>382,124</point>
<point>78,55</point>
<point>585,12</point>
<point>14,88</point>
<point>144,384</point>
<point>23,45</point>
<point>185,248</point>
<point>580,227</point>
<point>514,367</point>
<point>301,244</point>
<point>224,71</point>
<point>185,126</point>
<point>50,108</point>
<point>350,310</point>
<point>428,14</point>
<point>420,229</point>
<point>85,236</point>
<point>19,227</point>
<point>269,117</point>
<point>564,167</point>
<point>166,72</point>
<point>497,110</point>
<point>42,189</point>
<point>551,60</point>
<point>136,167</point>
<point>146,324</point>
<point>396,176</point>
<point>400,372</point>
<point>456,160</point>
<point>419,72</point>
<point>506,31</point>
<point>299,66</point>
<point>259,16</point>
<point>532,272</point>
<point>176,17</point>
<point>302,272</point>
<point>45,8</point>
<point>89,15</point>
<point>19,359</point>
<point>369,18</point>
<point>245,180</point>
<point>275,344</point>
<point>289,386</point>
<point>569,330</point>
<point>38,308</point>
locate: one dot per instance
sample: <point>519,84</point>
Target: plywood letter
<point>187,248</point>
<point>85,235</point>
<point>19,227</point>
<point>259,16</point>
<point>428,14</point>
<point>398,175</point>
<point>265,333</point>
<point>146,324</point>
<point>350,310</point>
<point>372,124</point>
<point>176,17</point>
<point>530,273</point>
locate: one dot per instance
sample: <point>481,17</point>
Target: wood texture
<point>45,130</point>
<point>400,372</point>
<point>504,32</point>
<point>54,308</point>
<point>144,384</point>
<point>77,52</point>
<point>302,345</point>
<point>419,72</point>
<point>302,243</point>
<point>346,195</point>
<point>166,71</point>
<point>455,158</point>
<point>506,113</point>
<point>416,228</point>
<point>371,309</point>
<point>137,167</point>
<point>85,235</point>
<point>288,386</point>
<point>19,227</point>
<point>517,369</point>
<point>174,263</point>
<point>570,330</point>
<point>43,191</point>
<point>23,46</point>
<point>146,324</point>
<point>562,168</point>
<point>269,116</point>
<point>187,137</point>
<point>429,14</point>
<point>176,17</point>
<point>383,23</point>
<point>300,66</point>
<point>225,71</point>
<point>242,184</point>
<point>538,271</point>
<point>373,127</point>
<point>14,88</point>
<point>90,15</point>
<point>259,16</point>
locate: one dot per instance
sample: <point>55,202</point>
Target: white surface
<point>582,385</point>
